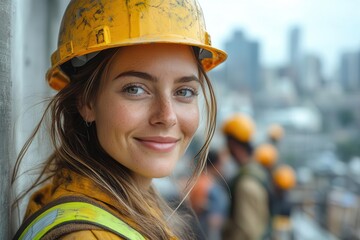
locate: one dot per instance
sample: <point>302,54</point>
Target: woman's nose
<point>163,112</point>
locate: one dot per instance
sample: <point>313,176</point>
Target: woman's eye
<point>186,92</point>
<point>134,90</point>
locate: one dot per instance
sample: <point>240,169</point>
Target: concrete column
<point>5,119</point>
<point>35,27</point>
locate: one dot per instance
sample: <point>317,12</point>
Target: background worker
<point>209,198</point>
<point>267,156</point>
<point>284,179</point>
<point>275,133</point>
<point>249,212</point>
<point>281,180</point>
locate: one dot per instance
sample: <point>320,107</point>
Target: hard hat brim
<point>58,81</point>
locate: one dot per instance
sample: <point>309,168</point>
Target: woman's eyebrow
<point>188,79</point>
<point>137,74</point>
<point>147,76</point>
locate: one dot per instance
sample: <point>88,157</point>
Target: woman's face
<point>146,112</point>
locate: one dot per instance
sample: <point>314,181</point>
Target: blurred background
<point>295,63</point>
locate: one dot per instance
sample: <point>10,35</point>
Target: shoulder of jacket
<point>250,186</point>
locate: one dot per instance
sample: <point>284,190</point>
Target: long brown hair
<point>76,147</point>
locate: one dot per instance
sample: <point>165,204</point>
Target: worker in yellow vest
<point>128,76</point>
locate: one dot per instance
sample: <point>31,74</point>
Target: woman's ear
<point>86,111</point>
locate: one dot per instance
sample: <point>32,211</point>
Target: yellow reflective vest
<point>76,202</point>
<point>69,214</point>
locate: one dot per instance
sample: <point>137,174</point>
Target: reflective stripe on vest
<point>80,212</point>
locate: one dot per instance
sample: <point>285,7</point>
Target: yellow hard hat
<point>266,154</point>
<point>239,126</point>
<point>276,132</point>
<point>284,177</point>
<point>91,26</point>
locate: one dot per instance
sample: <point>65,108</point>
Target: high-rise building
<point>295,54</point>
<point>350,71</point>
<point>294,46</point>
<point>242,66</point>
<point>311,74</point>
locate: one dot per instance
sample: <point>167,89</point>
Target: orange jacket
<point>68,183</point>
<point>199,194</point>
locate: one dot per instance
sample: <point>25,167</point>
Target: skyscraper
<point>242,67</point>
<point>294,46</point>
<point>350,71</point>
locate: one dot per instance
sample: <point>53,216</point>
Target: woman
<point>128,74</point>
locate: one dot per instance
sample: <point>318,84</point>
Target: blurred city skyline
<point>328,28</point>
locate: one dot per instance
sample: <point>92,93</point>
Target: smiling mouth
<point>158,144</point>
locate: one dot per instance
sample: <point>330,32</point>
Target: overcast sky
<point>329,27</point>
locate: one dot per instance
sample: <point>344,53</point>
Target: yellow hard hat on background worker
<point>239,126</point>
<point>239,129</point>
<point>90,27</point>
<point>275,132</point>
<point>284,177</point>
<point>266,154</point>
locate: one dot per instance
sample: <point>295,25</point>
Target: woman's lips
<point>159,144</point>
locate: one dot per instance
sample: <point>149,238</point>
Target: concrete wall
<point>34,26</point>
<point>5,113</point>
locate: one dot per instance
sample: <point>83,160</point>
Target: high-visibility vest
<point>69,214</point>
